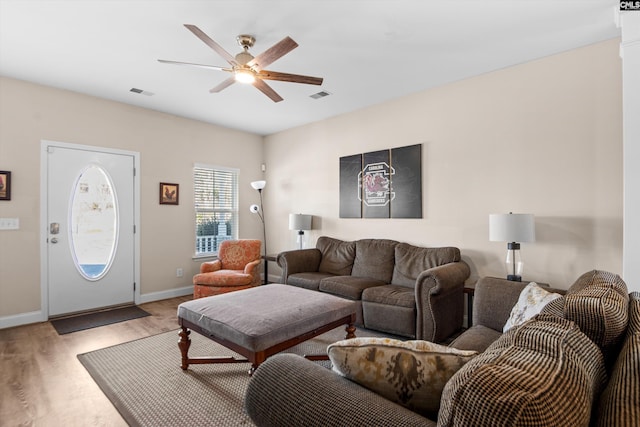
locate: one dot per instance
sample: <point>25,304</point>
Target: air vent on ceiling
<point>320,94</point>
<point>141,92</point>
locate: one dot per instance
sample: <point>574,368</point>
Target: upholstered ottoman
<point>262,321</point>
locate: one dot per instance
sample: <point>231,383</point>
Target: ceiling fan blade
<point>212,44</point>
<point>286,77</point>
<point>210,67</point>
<point>225,84</point>
<point>276,51</point>
<point>267,90</point>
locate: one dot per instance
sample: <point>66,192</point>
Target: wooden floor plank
<point>42,382</point>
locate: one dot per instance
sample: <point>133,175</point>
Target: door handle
<point>54,240</point>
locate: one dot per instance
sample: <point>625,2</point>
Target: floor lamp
<point>259,185</point>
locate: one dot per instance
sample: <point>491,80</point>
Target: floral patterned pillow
<point>531,302</point>
<point>410,373</point>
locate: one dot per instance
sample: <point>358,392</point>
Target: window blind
<point>216,207</point>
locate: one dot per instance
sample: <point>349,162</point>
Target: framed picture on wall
<point>169,193</point>
<point>5,185</point>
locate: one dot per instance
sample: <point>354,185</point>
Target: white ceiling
<point>367,52</point>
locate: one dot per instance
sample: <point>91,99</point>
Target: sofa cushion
<point>410,261</point>
<point>410,373</point>
<point>531,302</point>
<point>391,295</point>
<point>375,259</point>
<point>390,309</point>
<point>523,379</point>
<point>477,337</point>
<point>348,286</point>
<point>309,280</point>
<point>598,302</point>
<point>337,256</point>
<point>620,401</point>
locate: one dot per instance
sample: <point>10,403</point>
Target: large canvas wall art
<point>382,184</point>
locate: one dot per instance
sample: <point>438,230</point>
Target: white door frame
<point>44,226</point>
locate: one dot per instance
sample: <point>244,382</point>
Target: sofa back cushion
<point>620,401</point>
<point>598,302</point>
<point>337,256</point>
<point>410,261</point>
<point>374,259</point>
<point>545,372</point>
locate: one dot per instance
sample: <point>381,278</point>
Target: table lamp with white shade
<point>301,223</point>
<point>513,229</point>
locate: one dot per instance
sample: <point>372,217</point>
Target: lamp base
<point>514,278</point>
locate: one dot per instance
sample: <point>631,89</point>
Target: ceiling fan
<point>249,69</point>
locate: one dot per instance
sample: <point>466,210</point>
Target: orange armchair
<point>236,268</point>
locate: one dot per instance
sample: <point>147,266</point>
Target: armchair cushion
<point>410,373</point>
<point>235,254</point>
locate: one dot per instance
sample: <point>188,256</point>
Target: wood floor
<point>42,383</point>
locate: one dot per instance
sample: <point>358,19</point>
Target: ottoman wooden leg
<point>351,331</point>
<point>184,344</point>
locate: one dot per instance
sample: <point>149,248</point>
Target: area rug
<point>144,381</point>
<point>94,320</point>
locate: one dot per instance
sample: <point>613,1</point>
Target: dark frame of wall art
<point>5,185</point>
<point>169,193</point>
<point>382,184</point>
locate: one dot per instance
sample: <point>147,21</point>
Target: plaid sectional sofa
<point>577,363</point>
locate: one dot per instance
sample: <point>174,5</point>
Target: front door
<point>90,228</point>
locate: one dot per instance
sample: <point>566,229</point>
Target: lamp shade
<point>299,222</point>
<point>258,185</point>
<point>512,228</point>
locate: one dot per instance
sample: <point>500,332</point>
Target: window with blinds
<point>216,202</point>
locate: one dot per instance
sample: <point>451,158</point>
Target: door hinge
<point>134,286</point>
<point>134,229</point>
<point>134,171</point>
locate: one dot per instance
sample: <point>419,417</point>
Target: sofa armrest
<point>493,300</point>
<point>288,390</point>
<point>298,261</point>
<point>440,301</point>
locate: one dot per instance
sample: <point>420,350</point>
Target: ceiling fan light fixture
<point>244,76</point>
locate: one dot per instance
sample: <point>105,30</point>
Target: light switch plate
<point>9,223</point>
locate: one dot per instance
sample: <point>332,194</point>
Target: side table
<point>267,258</point>
<point>469,290</point>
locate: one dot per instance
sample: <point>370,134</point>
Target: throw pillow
<point>410,373</point>
<point>531,301</point>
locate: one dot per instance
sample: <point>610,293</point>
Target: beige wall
<point>168,146</point>
<point>543,137</point>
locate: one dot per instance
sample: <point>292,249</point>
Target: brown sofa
<point>405,290</point>
<point>575,364</point>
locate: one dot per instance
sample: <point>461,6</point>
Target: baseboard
<point>171,293</point>
<point>21,319</point>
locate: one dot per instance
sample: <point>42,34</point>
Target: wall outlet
<point>179,272</point>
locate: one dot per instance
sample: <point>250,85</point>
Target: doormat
<point>94,320</point>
